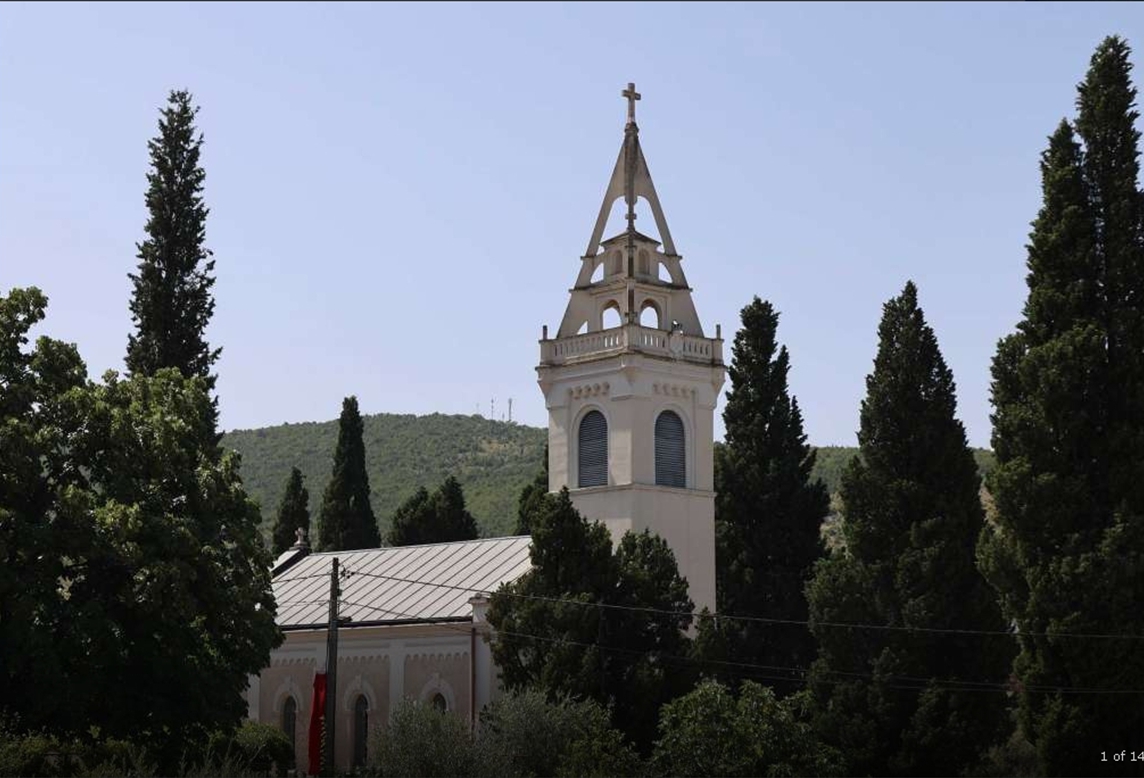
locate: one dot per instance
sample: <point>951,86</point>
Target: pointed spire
<point>630,180</point>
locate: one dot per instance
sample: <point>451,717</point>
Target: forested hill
<point>832,460</point>
<point>493,460</point>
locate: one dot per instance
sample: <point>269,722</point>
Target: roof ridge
<point>418,545</point>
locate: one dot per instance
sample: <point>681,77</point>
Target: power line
<point>760,619</point>
<point>906,683</point>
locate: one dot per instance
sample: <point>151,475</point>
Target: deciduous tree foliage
<point>134,589</point>
<point>552,635</point>
<point>1067,552</point>
<point>710,732</point>
<point>293,513</point>
<point>171,302</point>
<point>346,521</point>
<point>768,510</point>
<point>898,701</point>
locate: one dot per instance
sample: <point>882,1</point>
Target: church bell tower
<point>631,406</point>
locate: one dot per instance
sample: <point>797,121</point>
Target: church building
<point>630,382</point>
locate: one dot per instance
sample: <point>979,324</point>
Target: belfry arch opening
<point>650,315</point>
<point>611,316</point>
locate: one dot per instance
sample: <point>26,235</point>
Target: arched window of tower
<point>612,316</point>
<point>645,263</point>
<point>598,273</point>
<point>664,274</point>
<point>649,315</point>
<point>592,458</point>
<point>670,456</point>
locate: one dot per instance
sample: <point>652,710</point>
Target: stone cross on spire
<point>632,96</point>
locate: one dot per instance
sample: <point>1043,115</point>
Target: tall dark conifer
<point>900,702</point>
<point>347,521</point>
<point>531,495</point>
<point>556,636</point>
<point>171,302</point>
<point>440,517</point>
<point>768,512</point>
<point>1067,552</point>
<point>293,513</point>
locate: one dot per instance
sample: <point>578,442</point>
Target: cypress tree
<point>347,521</point>
<point>451,519</point>
<point>437,518</point>
<point>531,495</point>
<point>768,511</point>
<point>554,635</point>
<point>900,702</point>
<point>293,513</point>
<point>411,520</point>
<point>1067,552</point>
<point>171,303</point>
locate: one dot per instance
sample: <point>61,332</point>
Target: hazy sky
<point>400,194</point>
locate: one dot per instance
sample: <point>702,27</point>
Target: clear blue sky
<point>400,194</point>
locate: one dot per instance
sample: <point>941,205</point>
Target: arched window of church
<point>361,729</point>
<point>290,720</point>
<point>645,262</point>
<point>670,459</point>
<point>593,450</point>
<point>439,702</point>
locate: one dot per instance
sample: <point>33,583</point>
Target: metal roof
<point>404,584</point>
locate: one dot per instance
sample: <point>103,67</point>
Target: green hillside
<point>832,460</point>
<point>493,460</point>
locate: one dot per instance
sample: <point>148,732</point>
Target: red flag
<point>317,713</point>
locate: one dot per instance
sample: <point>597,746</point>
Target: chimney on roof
<point>303,542</point>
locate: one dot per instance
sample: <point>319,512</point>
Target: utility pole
<point>331,671</point>
<point>510,410</point>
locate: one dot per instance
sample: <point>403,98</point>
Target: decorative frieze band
<point>673,390</point>
<point>589,390</point>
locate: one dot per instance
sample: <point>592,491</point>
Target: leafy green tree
<point>768,511</point>
<point>346,521</point>
<point>1067,552</point>
<point>594,624</point>
<point>530,497</point>
<point>899,701</point>
<point>293,513</point>
<point>709,732</point>
<point>127,544</point>
<point>437,518</point>
<point>171,303</point>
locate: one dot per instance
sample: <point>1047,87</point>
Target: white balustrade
<point>630,337</point>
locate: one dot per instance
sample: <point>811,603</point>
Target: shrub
<point>421,740</point>
<point>524,734</point>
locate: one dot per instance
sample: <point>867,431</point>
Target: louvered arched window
<point>670,457</point>
<point>593,450</point>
